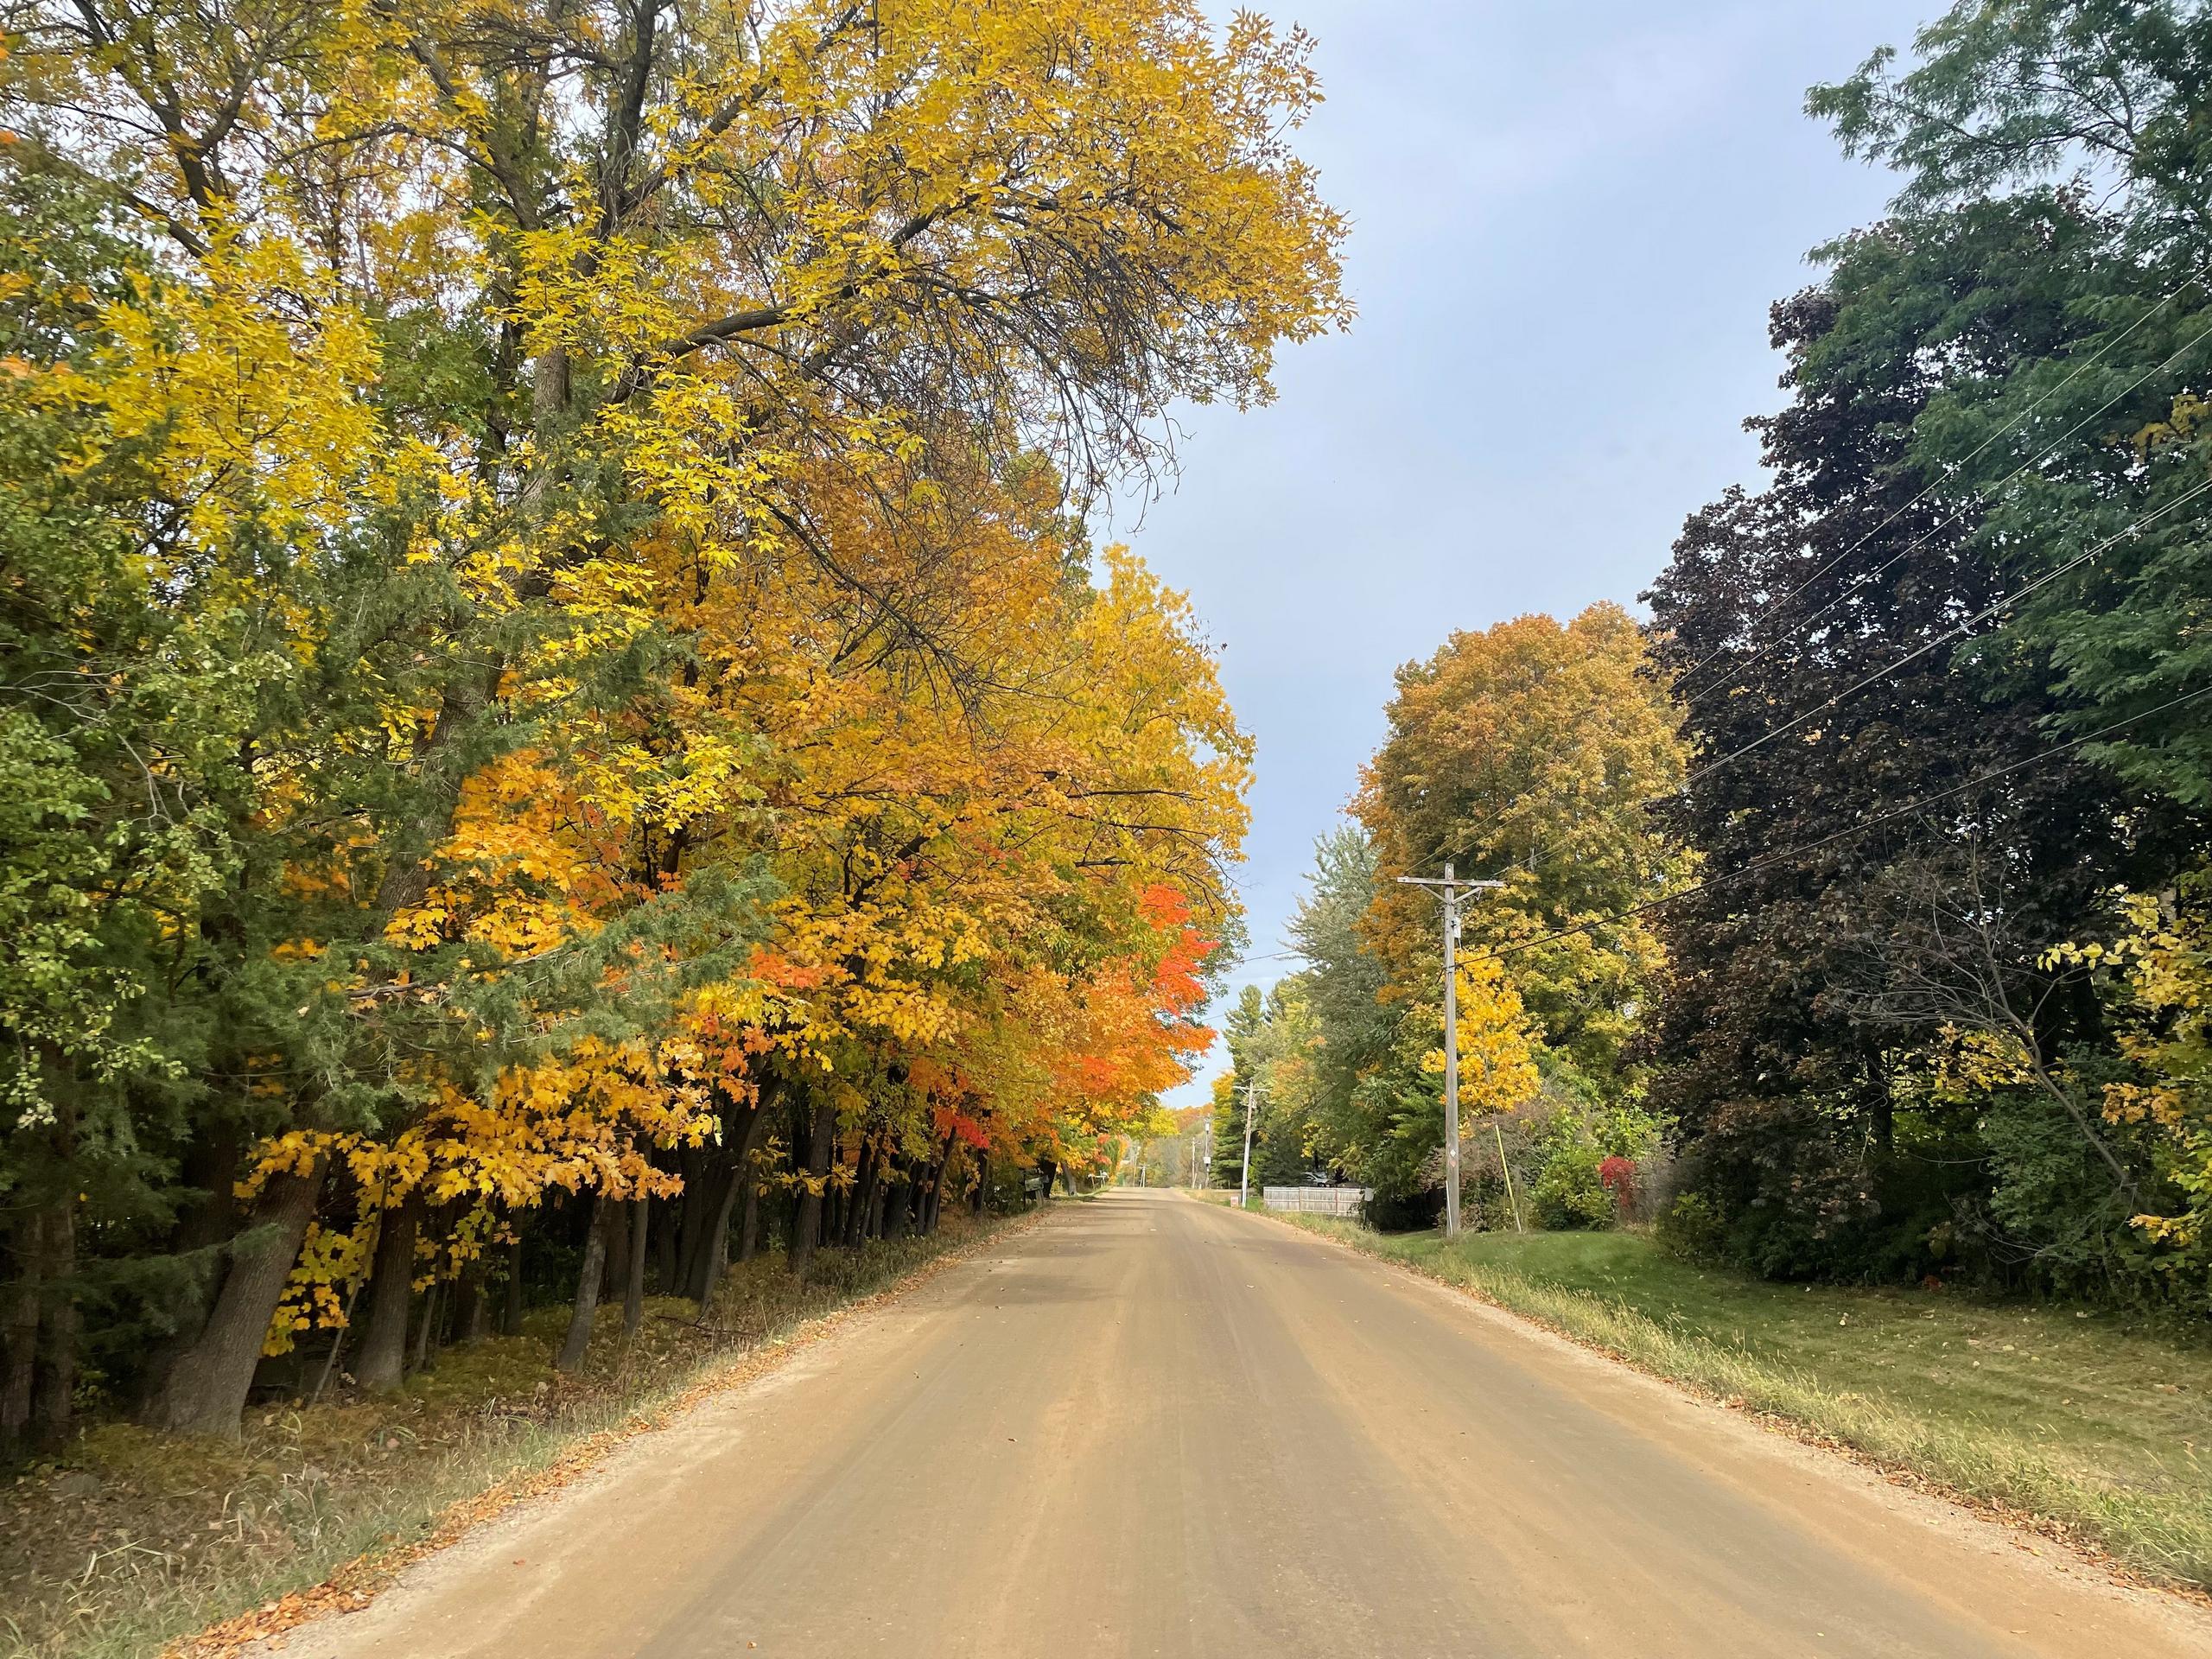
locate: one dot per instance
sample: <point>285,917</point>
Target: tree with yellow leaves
<point>608,478</point>
<point>1498,1049</point>
<point>1530,753</point>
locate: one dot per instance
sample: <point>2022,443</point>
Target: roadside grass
<point>2094,1427</point>
<point>133,1540</point>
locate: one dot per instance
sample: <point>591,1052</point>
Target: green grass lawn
<point>2093,1422</point>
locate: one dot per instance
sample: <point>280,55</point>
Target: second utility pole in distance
<point>1449,890</point>
<point>1244,1194</point>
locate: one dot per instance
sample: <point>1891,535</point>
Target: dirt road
<point>1154,1427</point>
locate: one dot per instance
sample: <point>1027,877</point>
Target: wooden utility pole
<point>1449,888</point>
<point>1244,1195</point>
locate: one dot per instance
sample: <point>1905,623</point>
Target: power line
<point>1693,698</point>
<point>1772,606</point>
<point>2085,365</point>
<point>1773,859</point>
<point>1958,631</point>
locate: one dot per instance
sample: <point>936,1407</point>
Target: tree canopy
<point>552,656</point>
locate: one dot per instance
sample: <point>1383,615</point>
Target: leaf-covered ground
<point>136,1538</point>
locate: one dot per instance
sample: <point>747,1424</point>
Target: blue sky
<point>1568,220</point>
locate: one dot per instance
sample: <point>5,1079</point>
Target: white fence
<point>1315,1200</point>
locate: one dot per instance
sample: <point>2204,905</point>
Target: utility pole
<point>1449,888</point>
<point>1244,1195</point>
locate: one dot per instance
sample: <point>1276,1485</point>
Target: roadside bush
<point>1625,1129</point>
<point>1691,1227</point>
<point>2059,1225</point>
<point>1571,1193</point>
<point>1617,1175</point>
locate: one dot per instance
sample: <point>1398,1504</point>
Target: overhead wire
<point>2085,365</point>
<point>1957,631</point>
<point>1735,672</point>
<point>1912,808</point>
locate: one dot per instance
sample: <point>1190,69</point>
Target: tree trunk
<point>57,1380</point>
<point>862,1193</point>
<point>337,1346</point>
<point>381,1360</point>
<point>806,1222</point>
<point>718,1201</point>
<point>702,1187</point>
<point>203,1228</point>
<point>898,1204</point>
<point>633,1278</point>
<point>426,1331</point>
<point>572,1347</point>
<point>935,1199</point>
<point>664,1251</point>
<point>749,1226</point>
<point>469,1302</point>
<point>206,1388</point>
<point>618,1255</point>
<point>511,1293</point>
<point>983,1182</point>
<point>19,1322</point>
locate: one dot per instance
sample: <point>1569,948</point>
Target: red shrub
<point>1617,1176</point>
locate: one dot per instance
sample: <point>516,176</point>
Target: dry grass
<point>134,1540</point>
<point>2086,1425</point>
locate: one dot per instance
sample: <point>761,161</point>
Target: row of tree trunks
<point>206,1390</point>
<point>381,1363</point>
<point>689,1241</point>
<point>806,1219</point>
<point>38,1328</point>
<point>571,1356</point>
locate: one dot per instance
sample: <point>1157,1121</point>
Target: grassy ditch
<point>2092,1425</point>
<point>135,1538</point>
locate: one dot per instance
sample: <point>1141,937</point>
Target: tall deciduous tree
<point>1529,754</point>
<point>1979,540</point>
<point>528,466</point>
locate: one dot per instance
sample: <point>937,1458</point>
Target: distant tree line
<point>1858,915</point>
